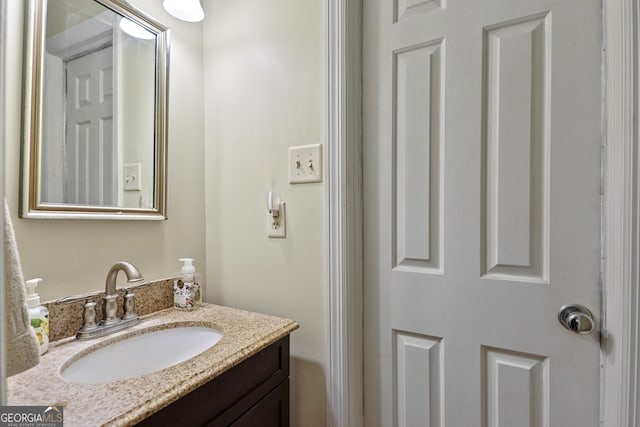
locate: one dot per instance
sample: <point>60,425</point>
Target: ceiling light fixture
<point>187,10</point>
<point>135,30</point>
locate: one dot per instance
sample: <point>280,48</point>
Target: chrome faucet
<point>110,322</point>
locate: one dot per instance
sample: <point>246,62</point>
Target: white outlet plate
<point>132,176</point>
<point>305,164</point>
<point>280,231</point>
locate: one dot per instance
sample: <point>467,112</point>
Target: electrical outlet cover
<point>305,164</point>
<point>279,232</point>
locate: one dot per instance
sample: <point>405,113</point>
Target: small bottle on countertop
<point>186,290</point>
<point>38,315</point>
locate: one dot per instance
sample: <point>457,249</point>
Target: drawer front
<point>271,411</point>
<point>224,399</point>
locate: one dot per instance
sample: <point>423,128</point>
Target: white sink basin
<point>140,355</point>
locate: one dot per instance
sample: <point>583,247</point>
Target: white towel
<point>22,351</point>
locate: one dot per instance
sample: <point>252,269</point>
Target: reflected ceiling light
<point>187,10</point>
<point>135,30</point>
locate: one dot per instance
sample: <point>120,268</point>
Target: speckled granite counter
<point>125,402</point>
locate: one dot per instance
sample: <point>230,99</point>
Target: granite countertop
<point>126,402</point>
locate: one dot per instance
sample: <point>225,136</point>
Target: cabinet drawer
<point>225,398</point>
<point>271,411</point>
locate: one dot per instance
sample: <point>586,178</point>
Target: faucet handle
<point>89,317</point>
<point>129,306</point>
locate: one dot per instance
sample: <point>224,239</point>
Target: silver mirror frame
<point>32,95</point>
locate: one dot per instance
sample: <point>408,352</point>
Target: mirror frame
<point>32,96</point>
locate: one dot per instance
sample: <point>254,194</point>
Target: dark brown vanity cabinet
<point>253,393</point>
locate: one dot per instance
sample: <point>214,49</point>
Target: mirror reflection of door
<point>98,119</point>
<point>80,145</point>
<point>90,152</point>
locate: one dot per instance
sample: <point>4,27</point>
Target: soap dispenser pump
<point>38,315</point>
<point>186,290</point>
<point>188,270</point>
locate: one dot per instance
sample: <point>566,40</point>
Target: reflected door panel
<point>90,151</point>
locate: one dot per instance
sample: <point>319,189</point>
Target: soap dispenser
<point>186,290</point>
<point>38,315</point>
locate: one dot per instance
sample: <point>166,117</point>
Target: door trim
<point>620,387</point>
<point>3,67</point>
<point>620,336</point>
<point>345,405</point>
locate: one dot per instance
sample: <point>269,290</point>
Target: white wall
<point>264,91</point>
<point>75,256</point>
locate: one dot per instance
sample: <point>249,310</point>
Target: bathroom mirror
<point>94,111</point>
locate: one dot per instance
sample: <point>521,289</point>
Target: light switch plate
<point>132,176</point>
<point>305,164</point>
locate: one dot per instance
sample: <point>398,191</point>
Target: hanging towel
<point>22,351</point>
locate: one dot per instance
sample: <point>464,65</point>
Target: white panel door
<point>482,211</point>
<point>90,149</point>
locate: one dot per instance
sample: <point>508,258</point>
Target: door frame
<point>621,218</point>
<point>344,267</point>
<point>3,53</point>
<point>620,311</point>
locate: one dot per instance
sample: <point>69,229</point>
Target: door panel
<point>90,150</point>
<point>515,388</point>
<point>482,211</point>
<point>515,194</point>
<point>418,379</point>
<point>418,134</point>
